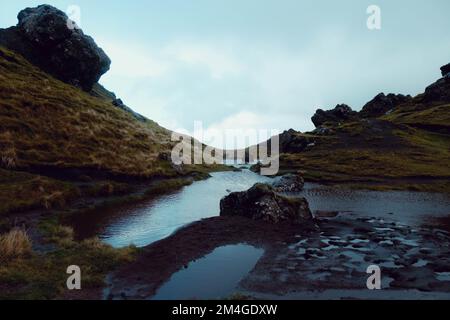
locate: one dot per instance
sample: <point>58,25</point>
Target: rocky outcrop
<point>438,91</point>
<point>48,39</point>
<point>289,183</point>
<point>292,141</point>
<point>323,131</point>
<point>261,202</point>
<point>382,104</point>
<point>340,113</point>
<point>445,70</point>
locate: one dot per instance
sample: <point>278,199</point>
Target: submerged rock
<point>50,40</point>
<point>261,202</point>
<point>340,113</point>
<point>289,183</point>
<point>382,104</point>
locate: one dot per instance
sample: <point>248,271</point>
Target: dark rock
<point>165,156</point>
<point>323,131</point>
<point>438,91</point>
<point>340,113</point>
<point>261,202</point>
<point>382,104</point>
<point>44,38</point>
<point>289,183</point>
<point>119,104</point>
<point>445,70</point>
<point>292,141</point>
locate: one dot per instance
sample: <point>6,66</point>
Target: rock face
<point>48,39</point>
<point>438,91</point>
<point>261,202</point>
<point>289,183</point>
<point>340,113</point>
<point>292,141</point>
<point>445,70</point>
<point>382,104</point>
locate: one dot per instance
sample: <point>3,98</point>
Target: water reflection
<point>147,222</point>
<point>215,276</point>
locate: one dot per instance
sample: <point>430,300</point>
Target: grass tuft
<point>15,244</point>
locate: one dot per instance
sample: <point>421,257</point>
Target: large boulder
<point>261,202</point>
<point>289,183</point>
<point>340,113</point>
<point>47,38</point>
<point>382,104</point>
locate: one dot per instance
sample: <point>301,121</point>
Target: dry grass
<point>44,121</point>
<point>378,151</point>
<point>15,244</point>
<point>20,191</point>
<point>43,276</point>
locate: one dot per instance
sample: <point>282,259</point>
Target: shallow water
<point>411,208</point>
<point>215,276</point>
<point>146,222</point>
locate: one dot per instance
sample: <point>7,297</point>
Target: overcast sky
<point>259,63</point>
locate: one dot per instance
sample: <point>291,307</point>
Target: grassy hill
<point>47,123</point>
<point>54,136</point>
<point>407,148</point>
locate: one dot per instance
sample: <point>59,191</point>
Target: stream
<point>146,222</point>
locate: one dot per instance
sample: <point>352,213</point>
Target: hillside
<point>54,130</point>
<point>58,126</point>
<point>395,142</point>
<point>62,135</point>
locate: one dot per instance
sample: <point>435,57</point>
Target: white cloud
<point>130,60</point>
<point>218,60</point>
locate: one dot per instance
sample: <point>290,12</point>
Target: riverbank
<point>40,271</point>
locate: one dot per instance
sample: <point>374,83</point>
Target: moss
<point>44,276</point>
<point>422,116</point>
<point>376,151</point>
<point>21,191</point>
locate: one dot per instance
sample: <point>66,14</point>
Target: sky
<point>258,64</point>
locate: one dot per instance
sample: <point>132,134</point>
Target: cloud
<point>133,61</point>
<point>250,84</point>
<point>217,59</point>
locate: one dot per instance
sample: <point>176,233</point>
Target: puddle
<point>215,276</point>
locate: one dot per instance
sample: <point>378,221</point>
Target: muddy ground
<point>325,259</point>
